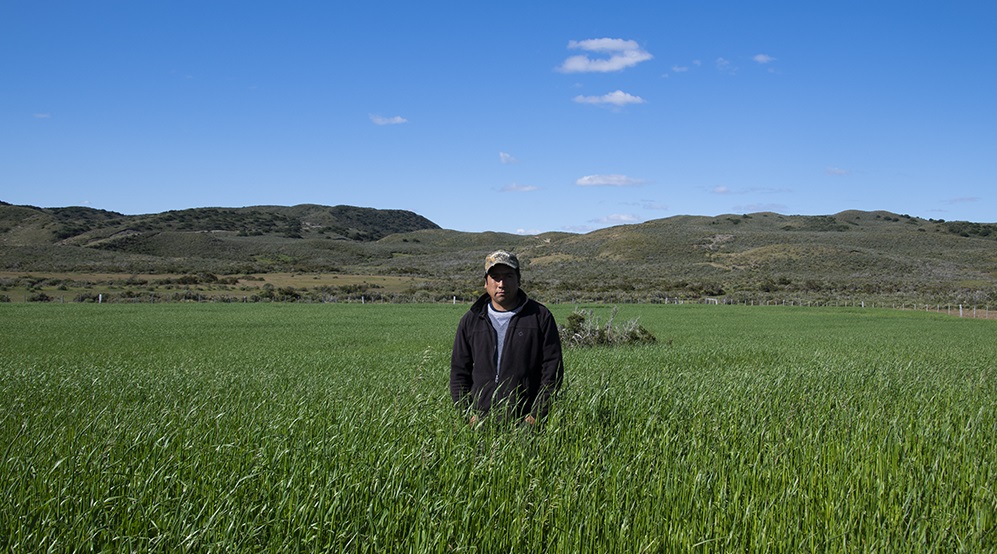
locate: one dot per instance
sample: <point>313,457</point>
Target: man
<point>506,356</point>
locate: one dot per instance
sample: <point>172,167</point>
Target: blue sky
<point>509,116</point>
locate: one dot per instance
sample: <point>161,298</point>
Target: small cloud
<point>616,219</point>
<point>727,191</point>
<point>617,98</point>
<point>836,171</point>
<point>578,228</point>
<point>527,231</point>
<point>41,116</point>
<point>609,180</point>
<point>622,54</point>
<point>518,188</point>
<point>763,58</point>
<point>593,224</point>
<point>380,120</point>
<point>752,208</point>
<point>963,200</point>
<point>725,66</point>
<point>679,68</point>
<point>648,205</point>
<point>507,158</point>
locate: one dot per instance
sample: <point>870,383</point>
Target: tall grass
<point>329,428</point>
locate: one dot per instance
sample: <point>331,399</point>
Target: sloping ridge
<point>732,252</point>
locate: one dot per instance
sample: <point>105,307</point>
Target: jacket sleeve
<point>461,366</point>
<point>552,369</point>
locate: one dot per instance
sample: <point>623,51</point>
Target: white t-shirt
<point>500,322</point>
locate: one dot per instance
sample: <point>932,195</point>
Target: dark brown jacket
<point>532,366</point>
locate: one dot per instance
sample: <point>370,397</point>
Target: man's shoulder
<point>532,307</point>
<point>476,310</point>
<point>470,315</point>
<point>478,306</point>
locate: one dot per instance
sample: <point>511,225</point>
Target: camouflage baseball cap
<point>501,257</point>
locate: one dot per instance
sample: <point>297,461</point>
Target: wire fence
<point>960,310</point>
<point>951,309</point>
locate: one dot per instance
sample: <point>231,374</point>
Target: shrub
<point>86,297</point>
<point>583,329</point>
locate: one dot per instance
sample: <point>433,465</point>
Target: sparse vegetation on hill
<point>757,257</point>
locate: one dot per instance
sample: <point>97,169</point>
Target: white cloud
<point>593,224</point>
<point>646,204</point>
<point>578,228</point>
<point>527,231</point>
<point>963,200</point>
<point>753,208</point>
<point>41,116</point>
<point>680,68</point>
<point>725,191</point>
<point>380,120</point>
<point>519,188</point>
<point>604,45</point>
<point>836,171</point>
<point>608,180</point>
<point>763,58</point>
<point>725,66</point>
<point>507,158</point>
<point>622,54</point>
<point>616,219</point>
<point>616,98</point>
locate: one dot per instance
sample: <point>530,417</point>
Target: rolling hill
<point>852,254</point>
<point>258,238</point>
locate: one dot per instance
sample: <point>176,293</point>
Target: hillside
<point>762,256</point>
<point>227,240</point>
<point>851,254</point>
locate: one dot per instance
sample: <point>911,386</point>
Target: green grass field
<point>290,427</point>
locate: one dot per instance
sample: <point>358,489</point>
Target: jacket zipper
<point>495,354</point>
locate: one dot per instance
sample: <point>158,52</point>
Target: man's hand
<point>530,420</point>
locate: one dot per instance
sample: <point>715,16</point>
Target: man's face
<point>502,285</point>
